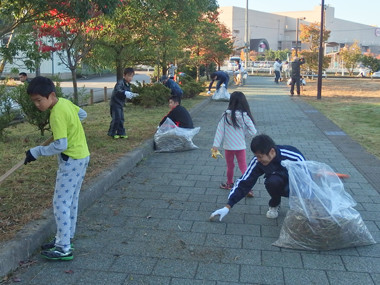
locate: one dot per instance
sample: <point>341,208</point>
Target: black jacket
<point>256,169</point>
<point>296,68</point>
<point>180,116</point>
<point>118,94</point>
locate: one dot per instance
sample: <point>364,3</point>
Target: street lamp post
<point>246,44</point>
<point>297,31</point>
<point>320,59</point>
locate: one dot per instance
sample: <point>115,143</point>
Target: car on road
<point>376,74</point>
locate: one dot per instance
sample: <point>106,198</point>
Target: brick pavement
<point>151,226</point>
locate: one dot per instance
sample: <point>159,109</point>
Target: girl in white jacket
<point>236,124</point>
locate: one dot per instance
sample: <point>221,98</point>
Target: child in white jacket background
<point>236,124</point>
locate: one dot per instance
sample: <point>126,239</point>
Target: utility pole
<point>297,32</point>
<point>297,27</point>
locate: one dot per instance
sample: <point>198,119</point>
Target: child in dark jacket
<point>267,162</point>
<point>178,114</point>
<point>120,93</point>
<point>175,89</point>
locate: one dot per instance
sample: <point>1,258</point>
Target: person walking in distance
<point>296,74</point>
<point>277,70</point>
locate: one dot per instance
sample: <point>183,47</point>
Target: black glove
<point>29,157</point>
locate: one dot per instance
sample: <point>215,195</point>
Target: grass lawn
<point>353,105</point>
<point>28,191</point>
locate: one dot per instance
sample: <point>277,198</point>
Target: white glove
<point>223,85</point>
<point>130,95</point>
<point>221,212</point>
<point>209,92</point>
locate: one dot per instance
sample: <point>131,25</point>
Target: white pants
<point>70,175</point>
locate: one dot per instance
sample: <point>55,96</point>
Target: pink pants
<point>241,160</point>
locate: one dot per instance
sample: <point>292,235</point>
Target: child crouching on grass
<point>71,148</point>
<point>236,124</point>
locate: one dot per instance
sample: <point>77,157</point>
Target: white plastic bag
<point>170,138</point>
<point>221,94</point>
<point>321,215</point>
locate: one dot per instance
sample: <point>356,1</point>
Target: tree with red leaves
<point>15,14</point>
<point>70,38</point>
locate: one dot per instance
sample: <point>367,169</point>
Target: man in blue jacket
<point>222,77</point>
<point>267,162</point>
<point>172,85</point>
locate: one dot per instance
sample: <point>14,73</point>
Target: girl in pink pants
<point>236,124</point>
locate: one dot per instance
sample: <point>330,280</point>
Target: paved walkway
<point>151,227</point>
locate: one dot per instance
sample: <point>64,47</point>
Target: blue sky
<point>351,10</point>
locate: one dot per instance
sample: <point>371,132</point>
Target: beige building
<point>279,30</point>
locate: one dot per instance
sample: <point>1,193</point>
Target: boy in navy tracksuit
<point>267,161</point>
<point>121,91</point>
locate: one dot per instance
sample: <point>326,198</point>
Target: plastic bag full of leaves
<point>221,94</point>
<point>321,215</point>
<point>171,138</point>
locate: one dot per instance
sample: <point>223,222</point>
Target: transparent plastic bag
<point>170,138</point>
<point>221,94</point>
<point>321,215</point>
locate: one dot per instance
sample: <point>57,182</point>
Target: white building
<point>279,30</point>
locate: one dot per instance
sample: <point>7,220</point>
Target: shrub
<point>190,87</point>
<point>150,95</point>
<point>6,113</point>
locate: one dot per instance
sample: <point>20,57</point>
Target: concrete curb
<point>30,238</point>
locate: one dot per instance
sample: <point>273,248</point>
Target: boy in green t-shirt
<point>73,156</point>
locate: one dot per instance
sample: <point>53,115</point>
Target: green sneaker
<point>124,137</point>
<point>57,253</point>
<point>116,137</point>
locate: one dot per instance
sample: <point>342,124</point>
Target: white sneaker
<point>273,212</point>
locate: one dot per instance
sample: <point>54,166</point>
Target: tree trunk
<point>3,62</point>
<point>75,86</point>
<point>119,66</point>
<point>164,69</point>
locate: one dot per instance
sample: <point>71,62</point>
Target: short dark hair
<point>41,86</point>
<point>23,74</point>
<point>213,75</point>
<point>176,99</point>
<point>129,70</point>
<point>262,144</point>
